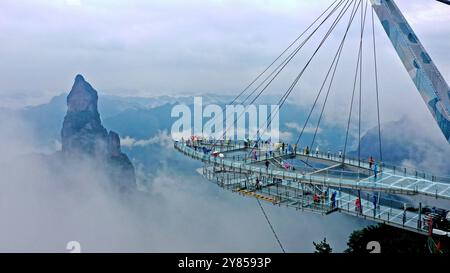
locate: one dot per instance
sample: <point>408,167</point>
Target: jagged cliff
<point>84,135</point>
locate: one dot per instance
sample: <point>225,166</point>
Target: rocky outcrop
<point>82,131</point>
<point>84,135</point>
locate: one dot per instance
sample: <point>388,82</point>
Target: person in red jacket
<point>316,199</point>
<point>358,205</point>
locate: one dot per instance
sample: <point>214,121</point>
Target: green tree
<point>323,247</point>
<point>392,240</point>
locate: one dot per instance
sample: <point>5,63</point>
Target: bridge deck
<point>360,177</point>
<point>237,168</point>
<point>290,194</point>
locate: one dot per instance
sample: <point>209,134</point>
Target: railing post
<point>419,221</point>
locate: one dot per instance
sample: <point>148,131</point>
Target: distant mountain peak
<point>84,135</point>
<point>82,97</point>
<point>79,77</point>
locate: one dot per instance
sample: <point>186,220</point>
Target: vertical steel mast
<point>429,82</point>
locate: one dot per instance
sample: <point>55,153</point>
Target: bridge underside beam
<point>301,198</point>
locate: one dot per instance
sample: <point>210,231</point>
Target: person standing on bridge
<point>358,205</point>
<point>316,199</point>
<point>267,165</point>
<point>307,150</point>
<point>371,161</point>
<point>340,154</point>
<point>375,201</point>
<point>258,184</point>
<point>317,151</point>
<point>333,200</point>
<point>375,170</point>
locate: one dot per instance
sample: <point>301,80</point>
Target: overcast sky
<point>173,46</point>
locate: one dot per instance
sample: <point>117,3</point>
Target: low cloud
<point>298,128</point>
<point>162,138</point>
<point>46,204</point>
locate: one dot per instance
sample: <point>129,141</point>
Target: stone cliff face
<point>84,135</point>
<point>82,131</point>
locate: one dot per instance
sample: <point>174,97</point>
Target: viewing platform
<point>308,182</point>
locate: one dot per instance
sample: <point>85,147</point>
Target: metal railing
<point>336,157</point>
<point>340,181</point>
<point>388,212</point>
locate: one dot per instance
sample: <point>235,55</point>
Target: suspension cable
<point>289,90</point>
<point>376,85</point>
<point>335,60</point>
<point>290,57</point>
<point>363,21</point>
<point>292,54</point>
<point>335,23</point>
<point>354,88</point>
<point>336,19</point>
<point>270,225</point>
<point>333,76</point>
<point>281,54</point>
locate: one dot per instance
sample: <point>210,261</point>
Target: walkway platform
<point>293,178</point>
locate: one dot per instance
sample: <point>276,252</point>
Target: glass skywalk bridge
<point>346,173</point>
<point>310,181</point>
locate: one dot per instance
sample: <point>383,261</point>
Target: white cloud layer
<point>44,208</point>
<point>162,138</point>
